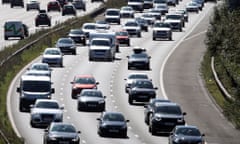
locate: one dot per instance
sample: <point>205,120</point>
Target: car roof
<point>186,126</point>
<point>46,100</point>
<point>52,48</point>
<point>84,76</point>
<point>35,78</point>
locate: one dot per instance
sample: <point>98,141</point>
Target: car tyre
<point>130,100</point>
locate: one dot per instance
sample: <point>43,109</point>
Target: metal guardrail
<point>219,83</point>
<point>92,14</point>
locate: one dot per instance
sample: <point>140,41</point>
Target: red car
<point>53,6</point>
<point>82,82</point>
<point>123,37</point>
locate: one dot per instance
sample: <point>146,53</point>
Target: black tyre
<point>170,38</point>
<point>153,38</point>
<point>130,100</point>
<point>5,38</point>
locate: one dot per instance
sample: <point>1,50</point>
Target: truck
<point>103,45</point>
<point>32,88</point>
<point>15,29</point>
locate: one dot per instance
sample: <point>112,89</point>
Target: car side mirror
<point>52,90</point>
<point>46,130</point>
<point>98,119</point>
<point>97,83</point>
<point>71,82</point>
<point>104,96</point>
<point>184,113</point>
<point>125,79</point>
<point>62,107</point>
<point>203,134</point>
<point>156,88</point>
<point>127,120</point>
<point>79,132</point>
<point>31,106</point>
<point>127,56</point>
<point>145,106</point>
<point>18,89</point>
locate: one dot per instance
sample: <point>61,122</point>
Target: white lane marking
<point>196,35</point>
<point>171,52</point>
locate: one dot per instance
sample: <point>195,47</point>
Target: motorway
<point>170,77</point>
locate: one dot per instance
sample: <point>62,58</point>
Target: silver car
<point>53,56</point>
<point>33,4</point>
<point>45,111</point>
<point>131,77</point>
<point>39,69</point>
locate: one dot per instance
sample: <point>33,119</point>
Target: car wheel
<point>32,124</point>
<point>154,39</point>
<point>74,52</point>
<point>139,35</point>
<point>61,64</point>
<point>128,44</point>
<point>147,119</point>
<point>5,38</point>
<point>130,100</point>
<point>170,38</point>
<point>146,30</point>
<point>49,24</point>
<point>129,67</point>
<point>153,131</point>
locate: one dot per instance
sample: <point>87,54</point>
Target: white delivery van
<point>15,29</point>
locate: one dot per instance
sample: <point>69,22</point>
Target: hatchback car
<point>42,19</point>
<point>113,124</point>
<point>61,133</point>
<point>186,134</point>
<point>78,36</point>
<point>33,4</point>
<point>133,76</point>
<point>53,56</point>
<point>39,69</point>
<point>69,9</point>
<point>81,82</point>
<point>123,37</point>
<point>91,100</point>
<point>45,111</point>
<point>66,45</point>
<point>53,6</point>
<point>139,59</point>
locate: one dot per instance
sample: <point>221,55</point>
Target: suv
<point>137,5</point>
<point>141,90</point>
<point>165,117</point>
<point>162,30</point>
<point>112,15</point>
<point>15,29</point>
<point>14,3</point>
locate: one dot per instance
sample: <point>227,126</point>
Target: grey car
<point>39,69</point>
<point>139,60</point>
<point>53,56</point>
<point>91,100</point>
<point>45,111</point>
<point>66,45</point>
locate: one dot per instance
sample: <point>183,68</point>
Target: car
<point>88,28</point>
<point>53,5</point>
<point>45,111</point>
<point>137,5</point>
<point>33,4</point>
<point>80,82</point>
<point>176,16</point>
<point>172,2</point>
<point>66,44</point>
<point>192,7</point>
<point>15,29</point>
<point>200,3</point>
<point>42,19</point>
<point>91,100</point>
<point>53,56</point>
<point>78,36</point>
<point>133,28</point>
<point>143,23</point>
<point>127,12</point>
<point>133,76</point>
<point>175,20</point>
<point>18,3</point>
<point>39,68</point>
<point>112,15</point>
<point>156,13</point>
<point>141,90</point>
<point>184,13</point>
<point>163,8</point>
<point>149,17</point>
<point>162,30</point>
<point>102,25</point>
<point>61,132</point>
<point>186,134</point>
<point>69,9</point>
<point>123,37</point>
<point>62,2</point>
<point>151,107</point>
<point>166,116</point>
<point>139,60</point>
<point>113,124</point>
<point>147,4</point>
<point>79,5</point>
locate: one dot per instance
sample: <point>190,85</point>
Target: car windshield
<point>126,8</point>
<point>112,12</point>
<point>161,6</point>
<point>143,84</point>
<point>52,52</point>
<point>138,76</point>
<point>92,94</point>
<point>124,33</point>
<point>147,15</point>
<point>90,27</point>
<point>76,32</point>
<point>85,81</point>
<point>192,4</point>
<point>113,117</point>
<point>173,17</point>
<point>131,24</point>
<point>47,105</point>
<point>66,41</point>
<point>169,110</point>
<point>162,25</point>
<point>139,55</point>
<point>63,128</point>
<point>100,42</point>
<point>188,131</point>
<point>40,67</point>
<point>36,86</point>
<point>101,22</point>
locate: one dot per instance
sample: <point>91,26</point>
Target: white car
<point>102,24</point>
<point>133,28</point>
<point>162,30</point>
<point>32,4</point>
<point>131,77</point>
<point>53,56</point>
<point>149,17</point>
<point>192,7</point>
<point>45,111</point>
<point>88,28</point>
<point>127,12</point>
<point>112,15</point>
<point>156,13</point>
<point>163,8</point>
<point>39,69</point>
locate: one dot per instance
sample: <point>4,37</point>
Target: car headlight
<point>101,101</point>
<point>180,120</point>
<point>52,138</point>
<point>75,139</point>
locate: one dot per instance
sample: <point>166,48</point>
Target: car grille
<point>173,120</point>
<point>48,117</point>
<point>64,48</point>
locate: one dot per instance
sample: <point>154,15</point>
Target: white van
<point>32,88</point>
<point>15,29</point>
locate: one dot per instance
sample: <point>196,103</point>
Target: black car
<point>139,59</point>
<point>78,36</point>
<point>79,4</point>
<point>66,45</point>
<point>91,100</point>
<point>14,3</point>
<point>42,19</point>
<point>112,123</point>
<point>165,117</point>
<point>143,23</point>
<point>186,134</point>
<point>60,132</point>
<point>62,2</point>
<point>151,107</point>
<point>69,9</point>
<point>141,90</point>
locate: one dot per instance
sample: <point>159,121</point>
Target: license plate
<point>91,105</point>
<point>169,124</point>
<point>143,96</point>
<point>113,130</point>
<point>63,142</point>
